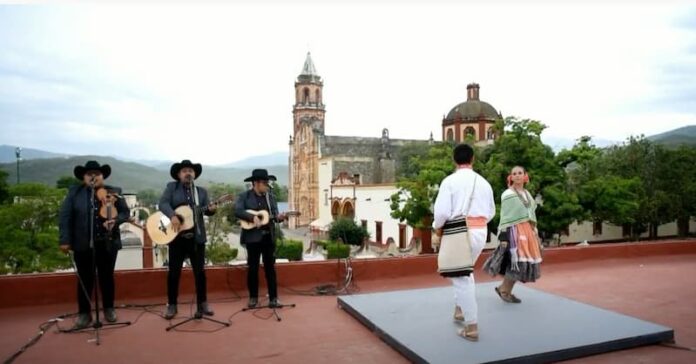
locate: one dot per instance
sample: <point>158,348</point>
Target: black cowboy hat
<point>260,175</point>
<point>80,171</point>
<point>176,167</point>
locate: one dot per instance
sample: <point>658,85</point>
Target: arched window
<point>305,97</point>
<point>490,135</point>
<point>335,208</point>
<point>469,132</point>
<point>450,135</point>
<point>348,210</point>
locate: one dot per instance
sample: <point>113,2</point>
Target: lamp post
<point>18,153</point>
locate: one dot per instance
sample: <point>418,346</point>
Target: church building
<point>334,176</point>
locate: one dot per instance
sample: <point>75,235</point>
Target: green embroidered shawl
<point>513,211</point>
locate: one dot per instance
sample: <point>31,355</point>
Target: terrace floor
<point>656,288</point>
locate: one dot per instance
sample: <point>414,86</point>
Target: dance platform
<point>418,323</point>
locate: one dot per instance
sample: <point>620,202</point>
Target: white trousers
<point>465,287</point>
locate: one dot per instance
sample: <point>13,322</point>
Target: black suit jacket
<point>247,201</point>
<point>174,196</point>
<point>74,222</point>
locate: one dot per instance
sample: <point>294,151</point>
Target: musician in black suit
<point>189,243</point>
<point>75,233</point>
<point>259,241</point>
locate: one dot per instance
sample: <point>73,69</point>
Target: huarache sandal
<point>507,297</point>
<point>469,332</point>
<point>458,314</point>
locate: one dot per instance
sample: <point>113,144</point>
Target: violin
<point>108,204</point>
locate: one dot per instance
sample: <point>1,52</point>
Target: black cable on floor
<point>678,347</point>
<point>42,330</point>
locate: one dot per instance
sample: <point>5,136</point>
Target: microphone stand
<point>197,222</point>
<point>272,220</point>
<point>97,324</point>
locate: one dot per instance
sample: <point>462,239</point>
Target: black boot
<point>205,309</point>
<point>110,315</point>
<point>171,312</point>
<point>274,303</point>
<point>83,321</point>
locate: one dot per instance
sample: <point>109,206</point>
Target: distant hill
<point>684,135</point>
<point>560,143</point>
<point>7,154</point>
<point>157,164</point>
<point>272,159</point>
<point>131,176</point>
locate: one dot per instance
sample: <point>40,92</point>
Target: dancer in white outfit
<point>463,207</point>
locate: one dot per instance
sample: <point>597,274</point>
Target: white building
<point>368,204</point>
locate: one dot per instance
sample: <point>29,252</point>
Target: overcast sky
<point>215,82</point>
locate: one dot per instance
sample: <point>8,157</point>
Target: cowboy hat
<point>260,175</point>
<point>80,171</point>
<point>176,167</point>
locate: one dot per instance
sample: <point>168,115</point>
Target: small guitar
<point>159,227</point>
<point>264,216</point>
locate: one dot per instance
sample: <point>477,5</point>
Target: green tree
<point>279,192</point>
<point>29,231</point>
<point>520,144</point>
<point>337,250</point>
<point>417,190</point>
<point>610,198</point>
<point>557,210</point>
<point>224,218</point>
<point>348,231</point>
<point>4,187</point>
<point>603,197</point>
<point>220,253</point>
<point>405,168</point>
<point>67,182</point>
<point>639,158</point>
<point>677,180</point>
<point>143,215</point>
<point>289,249</point>
<point>148,197</point>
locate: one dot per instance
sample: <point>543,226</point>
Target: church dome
<point>473,108</point>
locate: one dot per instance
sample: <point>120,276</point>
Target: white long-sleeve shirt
<point>453,197</point>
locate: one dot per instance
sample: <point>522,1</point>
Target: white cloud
<point>214,82</point>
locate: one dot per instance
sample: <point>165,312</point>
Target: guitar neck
<point>222,201</point>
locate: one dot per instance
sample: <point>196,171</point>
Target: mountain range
<point>136,175</point>
<point>684,135</point>
<point>131,176</point>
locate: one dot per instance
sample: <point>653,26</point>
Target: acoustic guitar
<point>264,216</point>
<point>159,227</point>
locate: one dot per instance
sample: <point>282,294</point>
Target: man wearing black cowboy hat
<point>259,241</point>
<point>189,243</point>
<point>75,233</point>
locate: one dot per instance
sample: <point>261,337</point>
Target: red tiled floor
<point>651,288</point>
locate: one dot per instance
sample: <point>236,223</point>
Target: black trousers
<point>179,249</point>
<point>105,261</point>
<point>266,249</point>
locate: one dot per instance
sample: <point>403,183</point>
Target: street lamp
<point>18,153</point>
